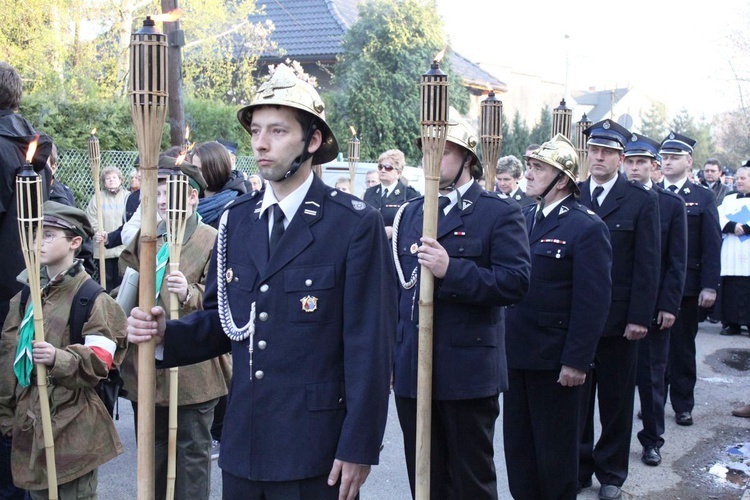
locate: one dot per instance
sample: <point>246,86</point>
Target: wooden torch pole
<point>434,124</point>
<point>178,190</point>
<point>30,223</point>
<point>491,136</point>
<point>94,162</point>
<point>148,107</point>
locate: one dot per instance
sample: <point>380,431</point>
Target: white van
<point>332,171</point>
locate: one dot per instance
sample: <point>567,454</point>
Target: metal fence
<point>74,170</point>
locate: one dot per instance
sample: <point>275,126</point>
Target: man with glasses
<point>712,180</point>
<point>392,192</point>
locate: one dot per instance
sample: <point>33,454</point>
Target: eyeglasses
<point>48,237</point>
<point>387,168</point>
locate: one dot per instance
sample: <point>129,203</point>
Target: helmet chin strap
<point>452,185</point>
<point>540,198</point>
<point>302,158</point>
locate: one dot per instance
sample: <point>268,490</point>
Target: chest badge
<point>309,303</point>
<point>229,275</point>
<point>414,248</point>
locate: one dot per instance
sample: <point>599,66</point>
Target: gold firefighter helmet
<point>560,154</point>
<point>461,133</point>
<point>285,89</point>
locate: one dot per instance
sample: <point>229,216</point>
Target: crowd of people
<point>298,309</point>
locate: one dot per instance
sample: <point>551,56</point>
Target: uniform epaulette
<point>589,213</point>
<point>349,201</point>
<point>254,196</point>
<point>498,196</point>
<point>639,185</point>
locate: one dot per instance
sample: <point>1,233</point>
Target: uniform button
<point>259,374</point>
<point>264,288</point>
<point>263,316</point>
<point>479,339</point>
<point>236,279</point>
<point>461,250</point>
<point>262,344</point>
<point>308,282</point>
<point>341,401</point>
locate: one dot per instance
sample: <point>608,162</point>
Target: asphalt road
<point>689,452</point>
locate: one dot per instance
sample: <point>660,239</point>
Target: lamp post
<point>30,224</point>
<point>148,107</point>
<point>433,93</point>
<point>491,136</point>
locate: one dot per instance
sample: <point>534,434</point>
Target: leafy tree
<point>222,48</point>
<point>732,134</point>
<point>685,124</point>
<point>654,122</point>
<point>377,77</point>
<point>542,131</point>
<point>517,138</point>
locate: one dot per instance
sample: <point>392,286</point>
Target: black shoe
<point>651,456</point>
<point>640,414</point>
<point>583,484</point>
<point>730,330</point>
<point>713,321</point>
<point>610,492</point>
<point>683,418</point>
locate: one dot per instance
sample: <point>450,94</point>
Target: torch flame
<point>93,131</point>
<point>169,17</point>
<point>439,56</point>
<point>180,159</point>
<point>489,87</point>
<point>32,149</point>
<point>187,132</point>
<point>354,131</point>
<point>190,147</point>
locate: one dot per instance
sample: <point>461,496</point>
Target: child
<point>200,385</point>
<point>84,434</point>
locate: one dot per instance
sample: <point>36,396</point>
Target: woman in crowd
<point>223,185</point>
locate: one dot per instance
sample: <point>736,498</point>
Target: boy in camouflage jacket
<point>84,434</point>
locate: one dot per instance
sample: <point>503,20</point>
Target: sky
<point>686,57</point>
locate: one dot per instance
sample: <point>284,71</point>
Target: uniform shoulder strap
<point>81,308</point>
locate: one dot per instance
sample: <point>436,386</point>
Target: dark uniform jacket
<point>560,320</point>
<point>673,250</point>
<point>389,205</point>
<point>631,213</point>
<point>703,239</point>
<point>519,196</point>
<point>316,385</point>
<point>489,268</point>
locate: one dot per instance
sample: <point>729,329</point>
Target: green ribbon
<point>24,363</point>
<point>162,257</point>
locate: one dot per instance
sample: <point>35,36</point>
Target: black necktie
<point>443,202</point>
<point>595,197</point>
<point>385,193</point>
<point>538,217</point>
<point>740,195</point>
<point>277,231</point>
<point>673,188</point>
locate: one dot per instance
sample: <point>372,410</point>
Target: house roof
<point>307,30</point>
<point>601,101</point>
